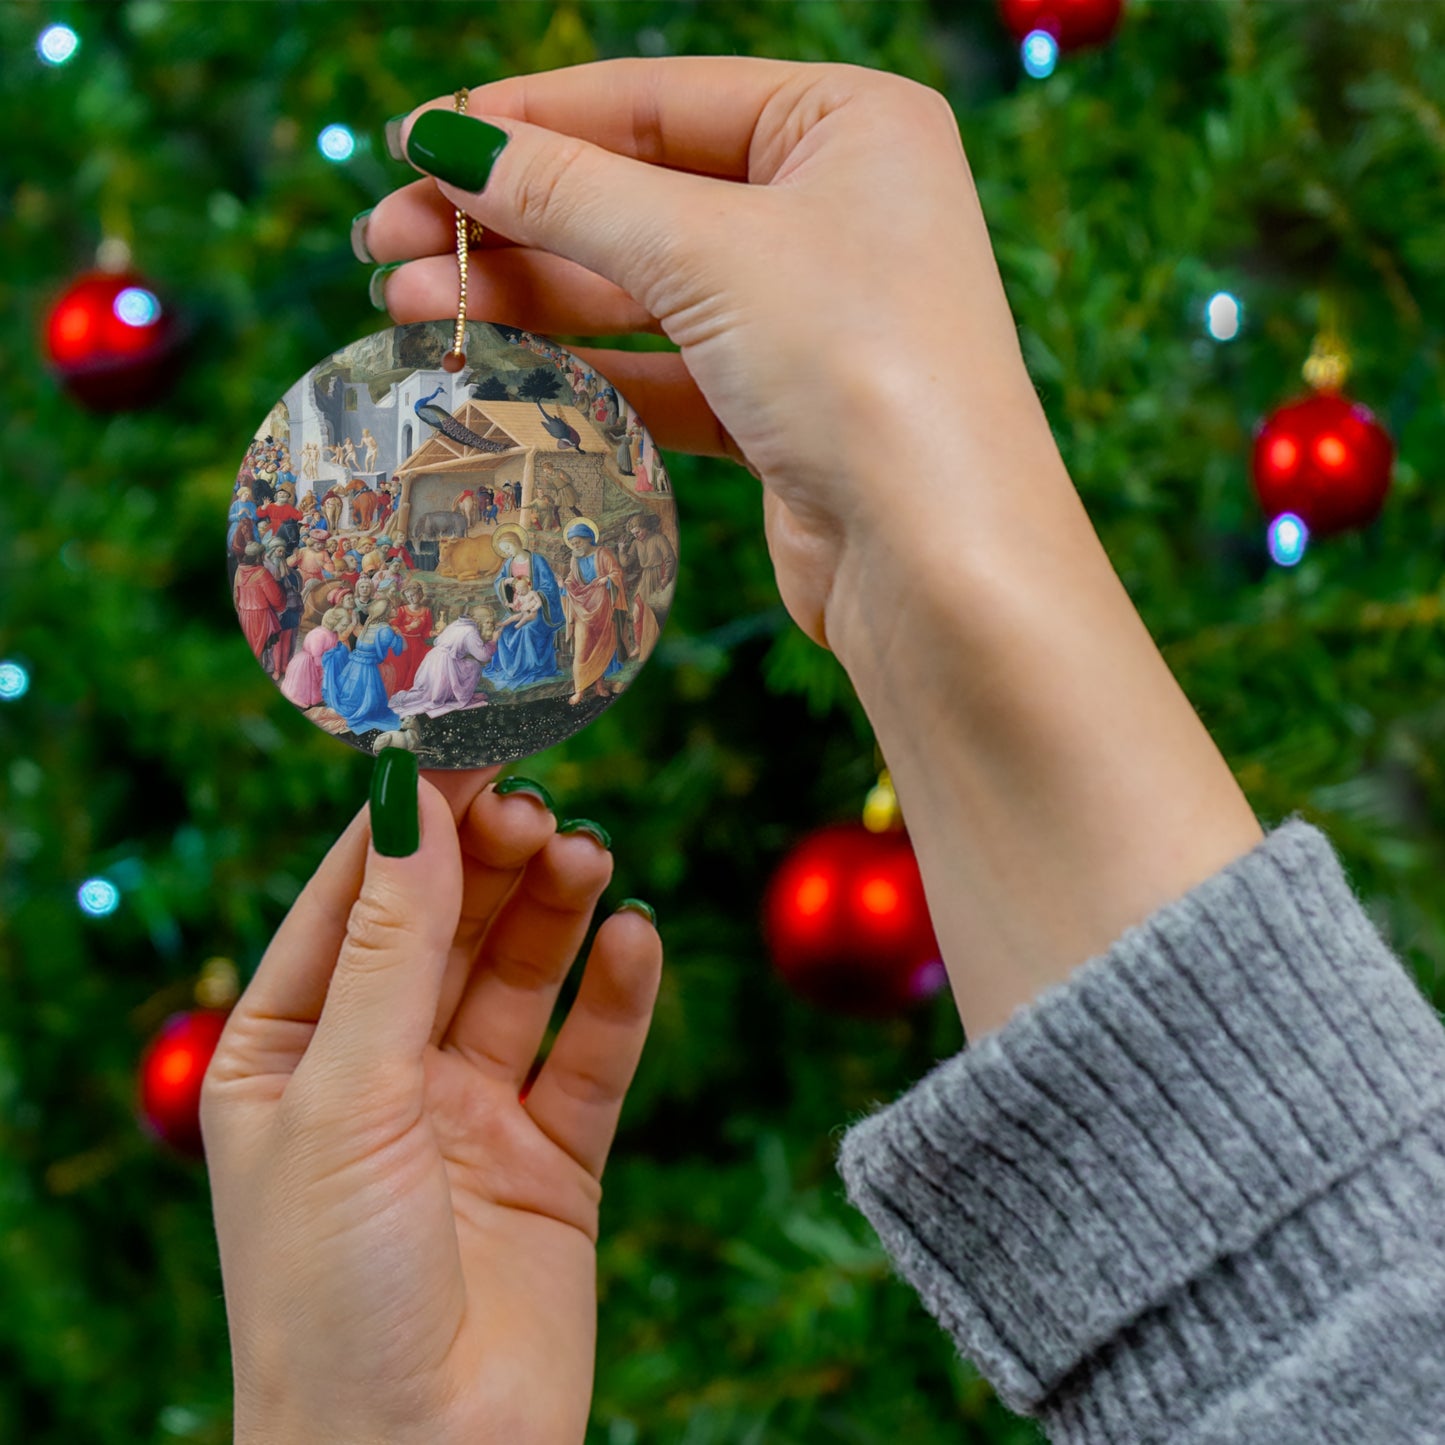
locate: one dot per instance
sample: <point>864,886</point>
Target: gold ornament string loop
<point>468,231</point>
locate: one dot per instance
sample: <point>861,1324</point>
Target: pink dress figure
<point>302,683</point>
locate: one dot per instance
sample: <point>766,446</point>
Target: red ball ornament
<point>171,1071</point>
<point>1324,458</point>
<point>1073,23</point>
<point>847,923</point>
<point>112,341</point>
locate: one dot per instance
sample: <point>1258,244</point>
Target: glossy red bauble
<point>112,341</point>
<point>847,923</point>
<point>1073,23</point>
<point>1324,458</point>
<point>171,1071</point>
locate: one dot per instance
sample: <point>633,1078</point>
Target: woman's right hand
<point>842,326</point>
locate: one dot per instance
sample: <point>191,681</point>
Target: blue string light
<point>1288,537</point>
<point>14,681</point>
<point>57,44</point>
<point>98,897</point>
<point>137,307</point>
<point>1040,52</point>
<point>336,143</point>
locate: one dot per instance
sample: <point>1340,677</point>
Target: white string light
<point>57,44</point>
<point>336,143</point>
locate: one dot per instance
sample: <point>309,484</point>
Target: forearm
<point>1056,782</point>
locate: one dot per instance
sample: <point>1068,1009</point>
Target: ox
<point>466,557</point>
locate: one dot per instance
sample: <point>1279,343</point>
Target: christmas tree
<point>1283,158</point>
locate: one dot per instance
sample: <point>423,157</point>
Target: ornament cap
<point>113,254</point>
<point>219,985</point>
<point>881,813</point>
<point>1328,365</point>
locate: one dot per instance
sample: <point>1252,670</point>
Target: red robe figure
<point>259,600</point>
<point>412,622</point>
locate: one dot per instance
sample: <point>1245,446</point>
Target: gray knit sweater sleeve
<point>1196,1192</point>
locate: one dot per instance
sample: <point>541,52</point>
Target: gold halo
<point>510,529</point>
<point>584,521</point>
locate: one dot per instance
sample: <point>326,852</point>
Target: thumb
<point>382,1000</point>
<point>635,224</point>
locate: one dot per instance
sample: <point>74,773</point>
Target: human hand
<point>810,237</point>
<point>407,1246</point>
<point>840,317</point>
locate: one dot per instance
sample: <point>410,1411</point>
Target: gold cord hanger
<point>467,231</point>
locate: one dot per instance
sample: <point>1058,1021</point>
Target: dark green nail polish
<point>392,131</point>
<point>636,905</point>
<point>358,237</point>
<point>525,785</point>
<point>376,288</point>
<point>586,825</point>
<point>395,824</point>
<point>455,148</point>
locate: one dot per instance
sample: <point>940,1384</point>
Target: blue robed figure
<point>241,508</point>
<point>351,681</point>
<point>527,651</point>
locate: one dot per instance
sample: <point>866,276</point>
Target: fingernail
<point>525,785</point>
<point>358,236</point>
<point>636,905</point>
<point>586,825</point>
<point>455,148</point>
<point>376,288</point>
<point>393,136</point>
<point>395,824</point>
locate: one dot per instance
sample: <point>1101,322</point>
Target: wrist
<point>945,522</point>
<point>1057,784</point>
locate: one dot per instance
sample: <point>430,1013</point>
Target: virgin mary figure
<point>526,653</point>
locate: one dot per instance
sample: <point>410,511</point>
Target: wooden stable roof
<point>523,422</point>
<point>517,422</point>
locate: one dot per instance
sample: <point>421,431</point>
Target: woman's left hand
<point>407,1238</point>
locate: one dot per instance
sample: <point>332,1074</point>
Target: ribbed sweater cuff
<point>1143,1164</point>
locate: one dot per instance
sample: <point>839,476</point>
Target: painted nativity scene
<point>470,565</point>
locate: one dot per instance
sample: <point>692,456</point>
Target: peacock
<point>449,426</point>
<point>559,427</point>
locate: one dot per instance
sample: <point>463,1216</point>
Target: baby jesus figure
<point>525,603</point>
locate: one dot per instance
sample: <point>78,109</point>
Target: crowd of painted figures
<point>336,609</point>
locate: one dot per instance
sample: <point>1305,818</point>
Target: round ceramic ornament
<point>468,561</point>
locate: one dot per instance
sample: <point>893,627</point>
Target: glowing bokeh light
<point>1223,316</point>
<point>1288,537</point>
<point>812,895</point>
<point>177,1066</point>
<point>73,325</point>
<point>98,897</point>
<point>879,897</point>
<point>57,44</point>
<point>336,143</point>
<point>1040,52</point>
<point>137,307</point>
<point>1331,451</point>
<point>14,681</point>
<point>1283,454</point>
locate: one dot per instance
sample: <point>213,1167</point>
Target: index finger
<point>696,113</point>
